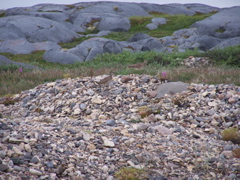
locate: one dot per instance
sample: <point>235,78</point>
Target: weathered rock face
<point>63,23</point>
<point>22,46</point>
<point>89,49</point>
<point>114,24</point>
<point>40,29</point>
<point>173,9</point>
<point>75,128</point>
<point>61,57</point>
<point>226,20</point>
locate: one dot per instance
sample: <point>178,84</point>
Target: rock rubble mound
<point>74,128</point>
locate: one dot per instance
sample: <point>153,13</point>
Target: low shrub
<point>130,173</point>
<point>231,134</point>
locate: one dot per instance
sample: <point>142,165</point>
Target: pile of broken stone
<point>75,128</point>
<point>195,62</point>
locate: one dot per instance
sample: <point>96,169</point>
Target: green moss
<point>220,30</point>
<point>129,173</point>
<point>2,14</point>
<point>231,134</point>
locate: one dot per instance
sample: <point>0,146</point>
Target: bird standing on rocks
<point>138,66</point>
<point>105,81</point>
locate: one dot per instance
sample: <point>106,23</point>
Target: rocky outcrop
<point>39,30</point>
<point>51,24</point>
<point>22,46</point>
<point>7,62</point>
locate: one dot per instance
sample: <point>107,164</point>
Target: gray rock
<point>101,33</point>
<point>118,8</point>
<point>114,23</point>
<point>151,44</point>
<point>60,56</point>
<point>171,88</point>
<point>204,42</point>
<point>90,48</point>
<point>152,26</point>
<point>138,37</point>
<point>2,154</point>
<point>17,168</point>
<point>5,61</point>
<point>210,25</point>
<point>228,42</point>
<point>201,8</point>
<point>22,46</point>
<point>232,176</point>
<point>85,21</point>
<point>82,106</point>
<point>3,167</point>
<point>35,160</point>
<point>112,47</point>
<point>159,21</point>
<point>16,161</point>
<point>156,22</point>
<point>110,122</point>
<point>9,31</point>
<point>172,9</point>
<point>40,29</point>
<point>50,164</point>
<point>229,30</point>
<point>35,172</point>
<point>41,11</point>
<point>36,8</point>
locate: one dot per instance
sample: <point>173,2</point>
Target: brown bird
<point>105,81</point>
<point>138,65</point>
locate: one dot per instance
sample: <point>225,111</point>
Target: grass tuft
<point>231,134</point>
<point>129,173</point>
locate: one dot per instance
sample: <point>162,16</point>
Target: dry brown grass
<point>15,82</point>
<point>208,75</point>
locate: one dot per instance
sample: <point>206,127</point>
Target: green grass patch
<point>10,68</point>
<point>2,14</point>
<point>229,56</point>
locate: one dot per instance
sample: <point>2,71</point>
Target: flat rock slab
<point>22,46</point>
<point>171,88</point>
<point>211,25</point>
<point>61,57</point>
<point>39,30</point>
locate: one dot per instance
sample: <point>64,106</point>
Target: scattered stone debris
<point>195,62</point>
<point>76,129</point>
